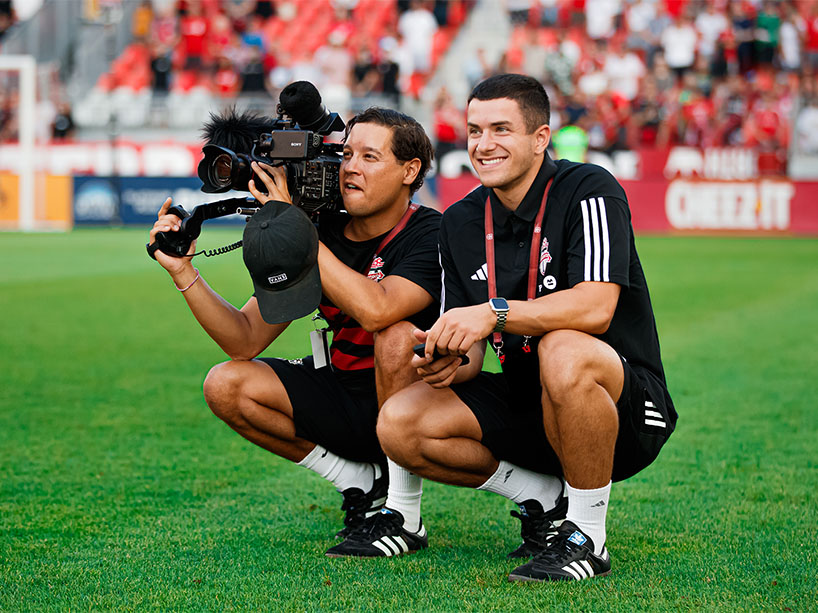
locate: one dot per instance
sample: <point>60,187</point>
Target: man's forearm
<point>365,300</point>
<point>238,334</point>
<point>585,307</point>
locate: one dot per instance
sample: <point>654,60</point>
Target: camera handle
<point>177,244</point>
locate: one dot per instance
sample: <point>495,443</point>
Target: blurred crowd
<point>621,74</point>
<point>348,48</point>
<point>652,73</point>
<point>665,72</point>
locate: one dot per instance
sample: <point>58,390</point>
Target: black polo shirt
<point>587,236</point>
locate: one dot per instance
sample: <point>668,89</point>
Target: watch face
<point>499,304</point>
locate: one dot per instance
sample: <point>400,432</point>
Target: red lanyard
<point>413,206</point>
<point>533,260</point>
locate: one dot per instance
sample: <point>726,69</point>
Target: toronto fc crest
<point>545,256</point>
<point>375,272</point>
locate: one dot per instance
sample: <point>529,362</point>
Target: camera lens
<point>221,169</point>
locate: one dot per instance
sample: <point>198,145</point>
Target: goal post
<point>26,67</point>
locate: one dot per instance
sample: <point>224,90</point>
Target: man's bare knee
<point>222,389</point>
<point>564,367</point>
<point>573,363</point>
<point>398,419</point>
<point>399,428</point>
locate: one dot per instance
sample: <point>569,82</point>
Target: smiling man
<point>540,262</point>
<point>378,266</point>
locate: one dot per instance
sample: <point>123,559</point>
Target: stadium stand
<point>644,73</point>
<point>630,73</point>
<point>204,51</point>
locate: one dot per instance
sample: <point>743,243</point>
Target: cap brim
<point>293,303</point>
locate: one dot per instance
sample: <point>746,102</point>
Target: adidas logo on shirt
<point>482,273</point>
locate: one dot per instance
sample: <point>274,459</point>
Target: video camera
<point>295,139</point>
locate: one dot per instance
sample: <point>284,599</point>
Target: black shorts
<point>512,425</point>
<point>335,409</point>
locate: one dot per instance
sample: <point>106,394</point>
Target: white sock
<point>519,485</point>
<point>587,509</point>
<point>404,494</point>
<point>343,474</point>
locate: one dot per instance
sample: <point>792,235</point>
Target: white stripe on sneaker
<point>572,572</point>
<point>579,568</point>
<point>386,550</point>
<point>399,543</point>
<point>587,567</point>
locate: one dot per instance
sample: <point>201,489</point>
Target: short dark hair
<point>526,91</point>
<point>409,139</point>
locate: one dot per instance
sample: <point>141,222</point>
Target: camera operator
<point>378,267</point>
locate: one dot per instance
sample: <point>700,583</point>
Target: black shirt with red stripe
<point>411,254</point>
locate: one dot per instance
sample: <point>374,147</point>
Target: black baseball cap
<point>280,247</point>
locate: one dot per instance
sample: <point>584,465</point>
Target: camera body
<point>295,141</point>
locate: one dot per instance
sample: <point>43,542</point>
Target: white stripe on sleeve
<point>595,236</point>
<point>597,240</point>
<point>587,233</point>
<point>606,245</point>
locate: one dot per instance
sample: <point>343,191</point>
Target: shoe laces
<point>376,526</point>
<point>560,550</point>
<point>536,526</point>
<point>355,505</point>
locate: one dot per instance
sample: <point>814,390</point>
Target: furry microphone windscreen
<point>236,131</point>
<point>302,101</point>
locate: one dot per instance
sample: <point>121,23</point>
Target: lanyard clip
<point>320,317</point>
<point>498,349</point>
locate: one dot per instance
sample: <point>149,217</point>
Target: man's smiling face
<point>501,149</point>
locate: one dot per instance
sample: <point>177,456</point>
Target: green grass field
<point>119,490</point>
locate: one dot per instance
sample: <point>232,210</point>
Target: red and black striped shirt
<point>411,254</point>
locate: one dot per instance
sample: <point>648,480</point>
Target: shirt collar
<point>528,208</point>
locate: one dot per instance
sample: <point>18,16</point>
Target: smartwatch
<point>500,307</point>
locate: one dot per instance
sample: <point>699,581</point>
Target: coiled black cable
<point>209,253</point>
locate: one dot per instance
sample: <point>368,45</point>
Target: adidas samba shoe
<point>569,556</point>
<point>358,505</point>
<point>538,526</point>
<point>381,535</point>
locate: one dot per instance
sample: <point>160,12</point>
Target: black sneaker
<point>538,526</point>
<point>381,535</point>
<point>358,505</point>
<point>569,557</point>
